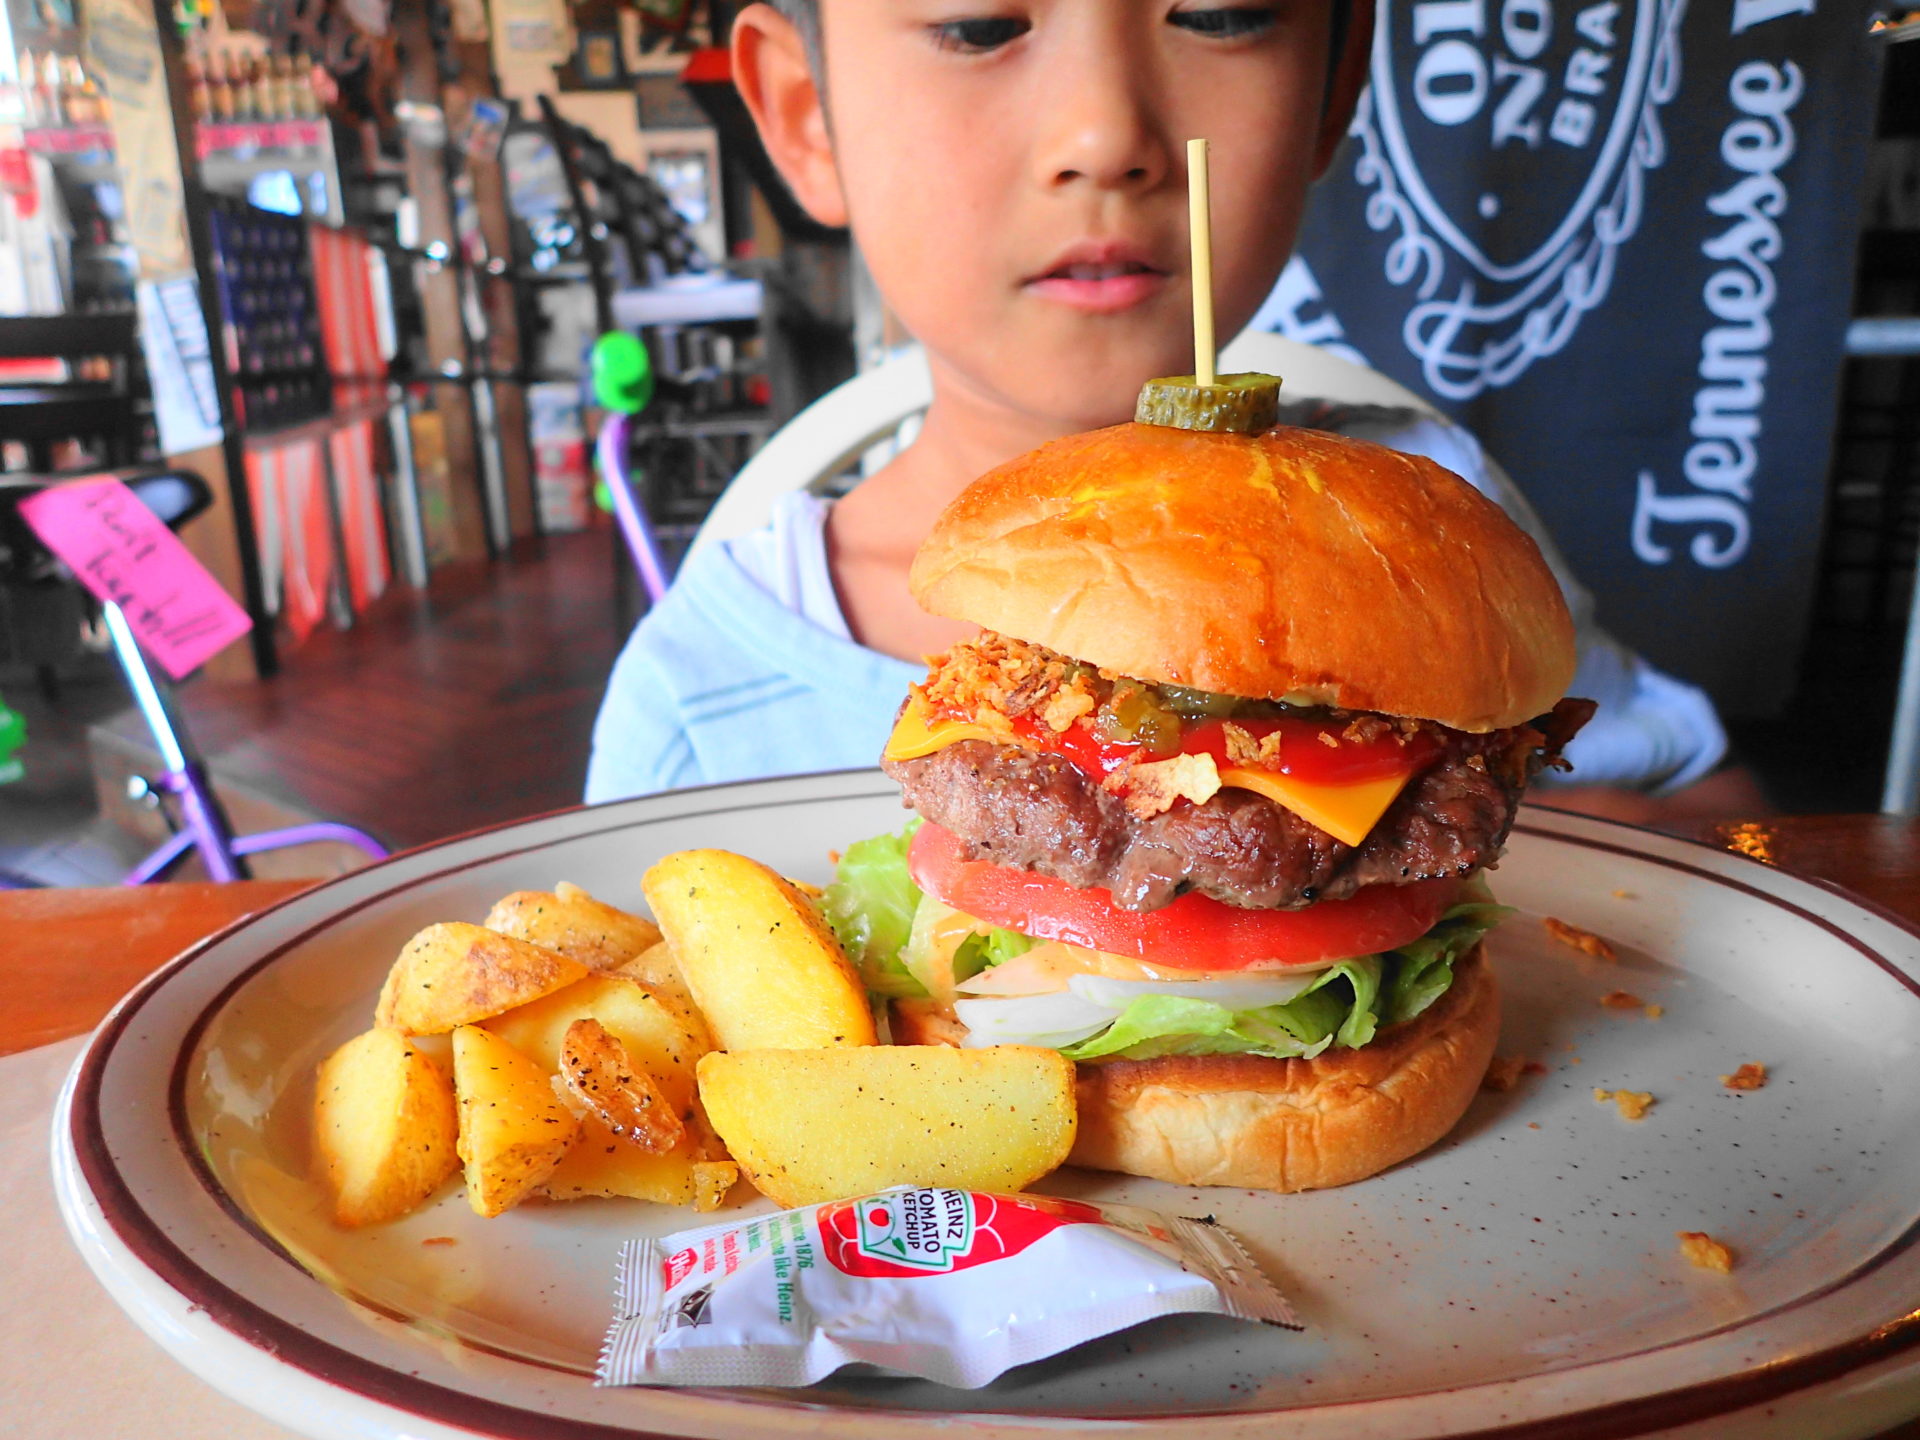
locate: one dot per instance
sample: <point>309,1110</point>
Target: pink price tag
<point>124,553</point>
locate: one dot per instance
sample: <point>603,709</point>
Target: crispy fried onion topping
<point>1153,786</point>
<point>1007,677</point>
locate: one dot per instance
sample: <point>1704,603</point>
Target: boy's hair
<point>805,15</point>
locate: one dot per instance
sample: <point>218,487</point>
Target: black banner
<point>1616,240</point>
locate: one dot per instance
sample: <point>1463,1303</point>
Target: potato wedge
<point>656,969</point>
<point>601,1163</point>
<point>513,1128</point>
<point>383,1127</point>
<point>572,922</point>
<point>644,1024</point>
<point>811,1125</point>
<point>599,1073</point>
<point>763,966</point>
<point>454,974</point>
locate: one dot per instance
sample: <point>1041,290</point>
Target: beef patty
<point>1034,810</point>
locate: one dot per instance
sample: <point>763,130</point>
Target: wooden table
<point>67,955</point>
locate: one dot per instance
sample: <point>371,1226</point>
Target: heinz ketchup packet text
<point>952,1285</point>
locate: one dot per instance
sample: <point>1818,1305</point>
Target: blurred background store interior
<point>405,224</point>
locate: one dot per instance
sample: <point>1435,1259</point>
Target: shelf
<point>243,139</point>
<point>70,139</point>
<point>318,428</point>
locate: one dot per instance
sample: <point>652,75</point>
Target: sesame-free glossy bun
<point>1266,1124</point>
<point>1293,565</point>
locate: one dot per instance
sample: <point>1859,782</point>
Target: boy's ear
<point>771,70</point>
<point>1349,78</point>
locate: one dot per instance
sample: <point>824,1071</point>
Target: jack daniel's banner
<point>1616,240</point>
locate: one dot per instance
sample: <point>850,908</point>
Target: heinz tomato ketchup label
<point>924,1232</point>
<point>953,1285</point>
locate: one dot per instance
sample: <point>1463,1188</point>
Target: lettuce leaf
<point>1345,1006</point>
<point>871,905</point>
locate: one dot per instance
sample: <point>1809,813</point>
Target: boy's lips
<point>1099,277</point>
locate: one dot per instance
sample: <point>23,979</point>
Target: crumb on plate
<point>1625,895</point>
<point>1750,1076</point>
<point>440,1240</point>
<point>1654,1012</point>
<point>1705,1252</point>
<point>1503,1073</point>
<point>1582,940</point>
<point>1622,1000</point>
<point>1632,1104</point>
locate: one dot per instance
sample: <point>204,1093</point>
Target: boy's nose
<point>1100,132</point>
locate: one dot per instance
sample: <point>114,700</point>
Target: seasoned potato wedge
<point>513,1128</point>
<point>571,921</point>
<point>601,1163</point>
<point>645,1025</point>
<point>599,1073</point>
<point>763,966</point>
<point>811,1125</point>
<point>656,969</point>
<point>383,1126</point>
<point>454,974</point>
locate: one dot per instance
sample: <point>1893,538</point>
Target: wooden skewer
<point>1200,228</point>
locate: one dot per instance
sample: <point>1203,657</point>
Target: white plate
<point>1522,1277</point>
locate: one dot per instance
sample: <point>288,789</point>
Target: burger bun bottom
<point>1264,1124</point>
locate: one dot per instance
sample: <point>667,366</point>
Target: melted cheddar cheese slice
<point>1346,812</point>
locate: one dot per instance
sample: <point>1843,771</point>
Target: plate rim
<point>281,1341</point>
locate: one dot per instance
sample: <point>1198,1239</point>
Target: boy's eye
<point>976,36</point>
<point>1225,22</point>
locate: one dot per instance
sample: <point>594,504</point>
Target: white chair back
<point>831,434</point>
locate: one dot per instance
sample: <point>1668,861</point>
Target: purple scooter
<point>176,496</point>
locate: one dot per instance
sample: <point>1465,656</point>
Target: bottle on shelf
<point>275,82</point>
<point>27,68</point>
<point>260,83</point>
<point>79,96</point>
<point>242,82</point>
<point>43,87</point>
<point>219,88</point>
<point>198,93</point>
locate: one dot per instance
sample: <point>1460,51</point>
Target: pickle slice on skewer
<point>1234,404</point>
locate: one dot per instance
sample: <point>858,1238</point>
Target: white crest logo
<point>1572,123</point>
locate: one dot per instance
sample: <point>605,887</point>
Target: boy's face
<point>1015,174</point>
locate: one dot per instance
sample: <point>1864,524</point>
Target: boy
<point>1013,171</point>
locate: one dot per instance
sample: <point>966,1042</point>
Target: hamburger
<point>1207,803</point>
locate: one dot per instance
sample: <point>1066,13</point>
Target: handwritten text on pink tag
<point>124,553</point>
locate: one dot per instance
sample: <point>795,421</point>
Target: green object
<point>1233,404</point>
<point>622,373</point>
<point>871,905</point>
<point>13,734</point>
<point>602,496</point>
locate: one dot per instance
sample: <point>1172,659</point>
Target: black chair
<point>103,414</point>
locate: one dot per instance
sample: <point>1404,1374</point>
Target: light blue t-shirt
<point>747,668</point>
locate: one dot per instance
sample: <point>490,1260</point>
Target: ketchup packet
<point>953,1285</point>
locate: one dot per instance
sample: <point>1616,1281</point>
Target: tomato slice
<point>1193,933</point>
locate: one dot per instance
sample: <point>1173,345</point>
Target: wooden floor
<point>441,712</point>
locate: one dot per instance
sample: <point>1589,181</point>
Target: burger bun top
<point>1293,565</point>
